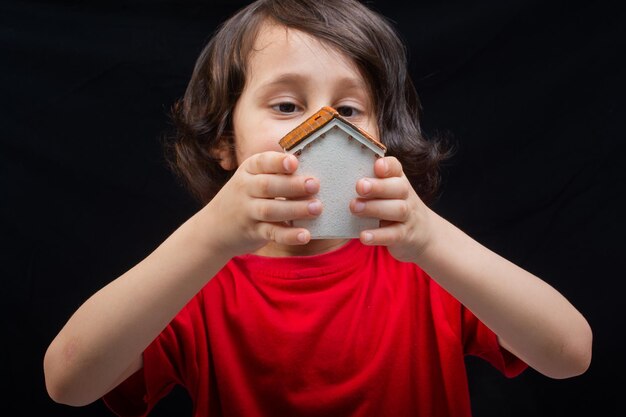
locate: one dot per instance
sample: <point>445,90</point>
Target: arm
<point>532,320</point>
<point>102,342</point>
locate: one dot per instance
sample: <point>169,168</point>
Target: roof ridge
<point>317,121</point>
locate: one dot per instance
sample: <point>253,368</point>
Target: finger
<point>271,163</point>
<point>394,187</point>
<point>285,235</point>
<point>391,210</point>
<point>383,236</point>
<point>289,186</point>
<point>285,210</point>
<point>387,167</point>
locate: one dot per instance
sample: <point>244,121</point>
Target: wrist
<point>205,230</point>
<point>432,230</point>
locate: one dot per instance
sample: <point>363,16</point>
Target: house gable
<point>321,122</point>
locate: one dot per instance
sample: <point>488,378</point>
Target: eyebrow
<point>285,79</point>
<point>288,79</point>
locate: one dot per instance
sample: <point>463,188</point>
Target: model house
<point>338,153</point>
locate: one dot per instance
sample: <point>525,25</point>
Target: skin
<point>102,343</point>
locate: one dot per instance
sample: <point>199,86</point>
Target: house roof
<point>317,121</point>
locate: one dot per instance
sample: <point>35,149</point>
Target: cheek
<point>252,136</point>
<point>263,141</point>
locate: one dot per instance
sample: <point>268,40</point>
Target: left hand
<point>404,225</point>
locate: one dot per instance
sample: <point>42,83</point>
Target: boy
<point>253,317</point>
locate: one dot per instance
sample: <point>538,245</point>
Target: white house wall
<point>338,160</point>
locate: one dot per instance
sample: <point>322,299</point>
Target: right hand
<point>257,204</point>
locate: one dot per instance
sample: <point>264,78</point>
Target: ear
<point>224,152</point>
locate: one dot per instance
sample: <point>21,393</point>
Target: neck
<point>314,247</point>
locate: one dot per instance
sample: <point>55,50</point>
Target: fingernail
<point>315,207</point>
<point>301,237</point>
<point>366,186</point>
<point>286,163</point>
<point>367,237</point>
<point>359,206</point>
<point>310,186</point>
<point>385,166</point>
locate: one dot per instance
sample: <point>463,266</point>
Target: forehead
<point>278,49</point>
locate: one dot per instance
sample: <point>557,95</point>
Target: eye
<point>285,107</point>
<point>347,111</point>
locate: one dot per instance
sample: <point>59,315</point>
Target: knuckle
<point>403,210</point>
<point>264,185</point>
<point>404,189</point>
<point>293,212</point>
<point>403,234</point>
<point>377,186</point>
<point>259,162</point>
<point>380,237</point>
<point>294,187</point>
<point>262,212</point>
<point>263,161</point>
<point>297,211</point>
<point>266,231</point>
<point>252,164</point>
<point>375,209</point>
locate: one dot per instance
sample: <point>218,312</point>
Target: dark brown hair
<point>203,117</point>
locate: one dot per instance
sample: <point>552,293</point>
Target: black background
<point>532,93</point>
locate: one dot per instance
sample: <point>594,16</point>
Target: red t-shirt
<point>352,332</point>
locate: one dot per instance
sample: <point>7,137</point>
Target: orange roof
<point>315,122</point>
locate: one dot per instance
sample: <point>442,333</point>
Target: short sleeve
<point>480,341</point>
<point>139,393</point>
<point>164,366</point>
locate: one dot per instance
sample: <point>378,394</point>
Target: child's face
<point>291,75</point>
